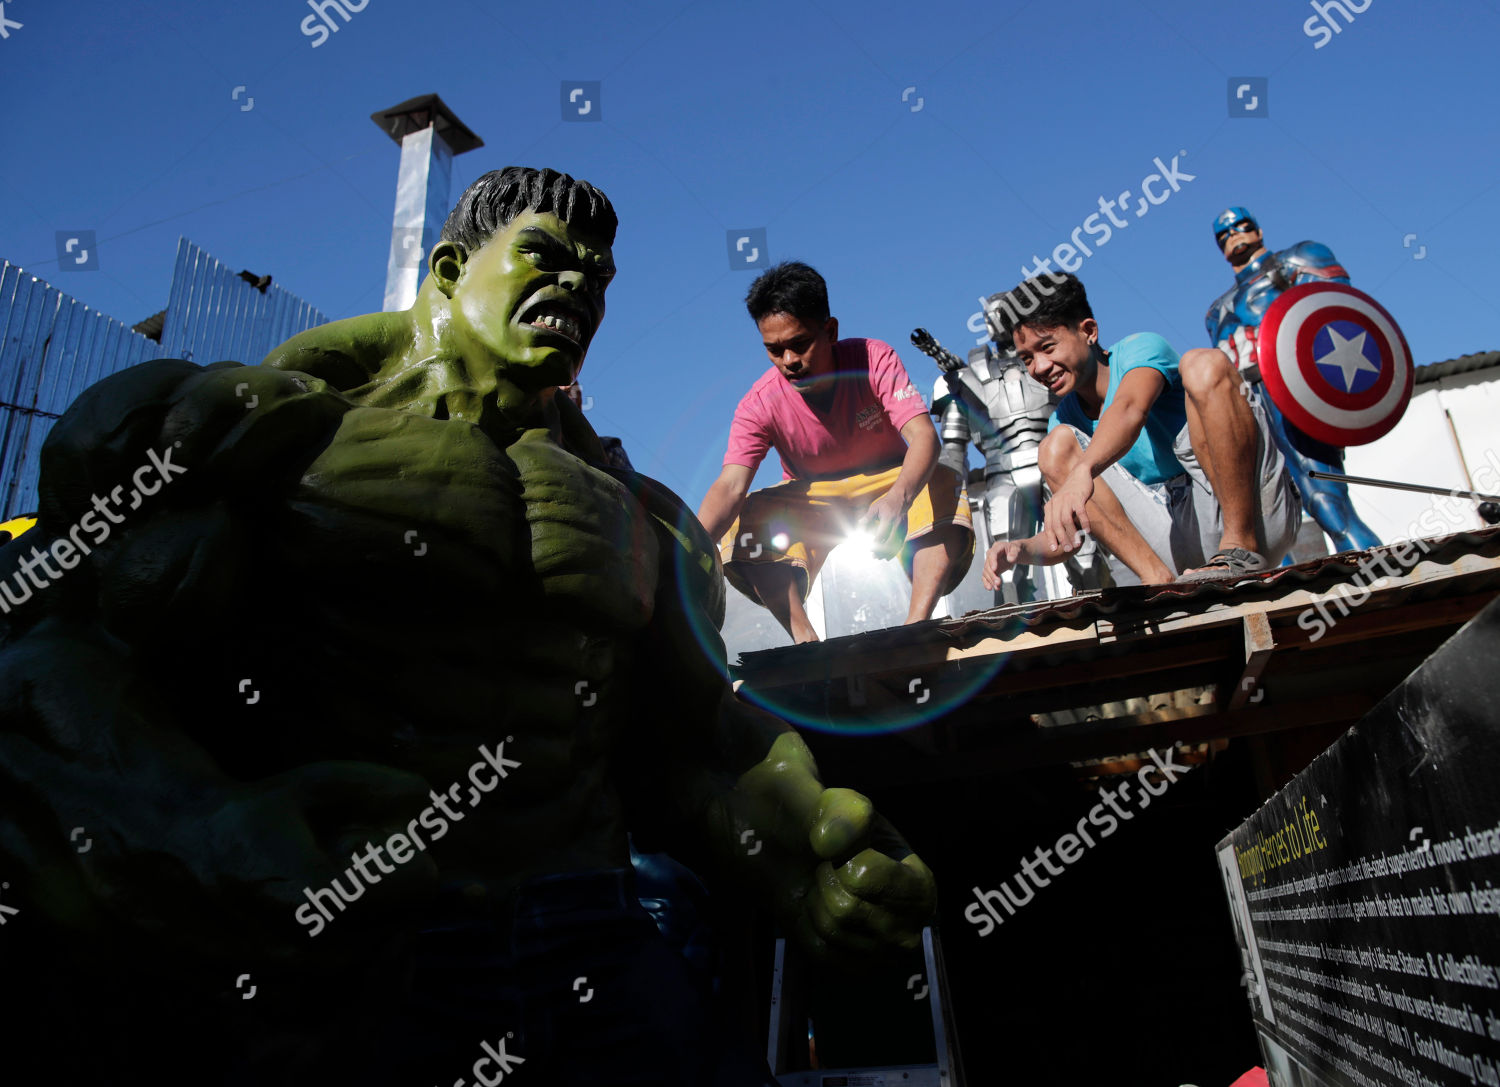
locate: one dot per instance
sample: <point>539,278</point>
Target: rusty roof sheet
<point>1121,602</point>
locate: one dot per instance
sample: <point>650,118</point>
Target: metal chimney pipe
<point>421,208</point>
<point>430,134</point>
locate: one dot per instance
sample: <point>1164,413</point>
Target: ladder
<point>786,1048</point>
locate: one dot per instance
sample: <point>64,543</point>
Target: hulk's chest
<point>436,518</point>
<point>588,544</point>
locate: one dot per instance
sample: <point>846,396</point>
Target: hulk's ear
<point>446,264</point>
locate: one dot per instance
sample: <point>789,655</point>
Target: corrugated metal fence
<point>52,347</point>
<point>213,314</point>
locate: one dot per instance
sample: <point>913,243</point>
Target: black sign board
<point>1366,894</point>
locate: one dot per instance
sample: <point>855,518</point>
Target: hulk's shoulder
<point>348,353</point>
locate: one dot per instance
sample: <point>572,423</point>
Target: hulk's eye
<point>544,259</point>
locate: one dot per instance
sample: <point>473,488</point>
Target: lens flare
<point>888,703</point>
<point>871,596</point>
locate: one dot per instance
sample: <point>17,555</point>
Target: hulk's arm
<point>742,784</point>
<point>99,667</point>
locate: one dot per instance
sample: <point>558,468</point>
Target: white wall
<point>1422,449</point>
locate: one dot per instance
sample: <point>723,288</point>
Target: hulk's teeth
<point>566,325</point>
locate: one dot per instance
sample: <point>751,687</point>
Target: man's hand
<point>885,523</point>
<point>1067,518</point>
<point>1002,556</point>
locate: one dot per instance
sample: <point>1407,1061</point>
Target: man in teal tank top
<point>1162,459</point>
<point>1151,459</point>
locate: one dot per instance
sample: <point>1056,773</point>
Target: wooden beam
<point>1018,750</point>
<point>1259,645</point>
<point>1360,625</point>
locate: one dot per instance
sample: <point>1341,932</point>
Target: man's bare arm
<point>1118,428</point>
<point>722,503</point>
<point>885,520</point>
<point>921,458</point>
<point>1120,424</point>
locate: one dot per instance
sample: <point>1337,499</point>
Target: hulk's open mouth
<point>558,316</point>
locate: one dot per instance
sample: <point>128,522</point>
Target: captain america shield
<point>1335,363</point>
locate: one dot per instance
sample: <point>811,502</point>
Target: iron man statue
<point>994,403</point>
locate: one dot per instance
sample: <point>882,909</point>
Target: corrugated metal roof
<point>1115,603</point>
<point>1435,371</point>
<point>1312,646</point>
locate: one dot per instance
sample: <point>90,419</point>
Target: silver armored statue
<point>994,403</point>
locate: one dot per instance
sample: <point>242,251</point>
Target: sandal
<point>1236,562</point>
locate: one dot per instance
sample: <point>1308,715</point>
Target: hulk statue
<point>386,602</point>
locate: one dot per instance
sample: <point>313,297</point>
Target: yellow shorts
<point>800,521</point>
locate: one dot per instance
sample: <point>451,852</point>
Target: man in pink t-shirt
<point>858,454</point>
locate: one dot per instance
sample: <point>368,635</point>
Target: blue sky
<point>792,117</point>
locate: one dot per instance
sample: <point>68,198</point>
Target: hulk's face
<point>531,299</point>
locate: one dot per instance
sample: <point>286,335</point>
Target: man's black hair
<point>790,287</point>
<point>1050,300</point>
<point>500,195</point>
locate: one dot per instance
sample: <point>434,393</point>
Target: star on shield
<point>1348,356</point>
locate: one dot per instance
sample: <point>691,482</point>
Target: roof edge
<point>1464,364</point>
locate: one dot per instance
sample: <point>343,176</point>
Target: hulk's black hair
<point>500,195</point>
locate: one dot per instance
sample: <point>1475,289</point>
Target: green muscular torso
<point>388,589</point>
<point>506,591</point>
<point>458,593</point>
<point>295,647</point>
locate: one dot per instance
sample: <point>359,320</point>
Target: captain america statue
<point>994,403</point>
<point>1233,321</point>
